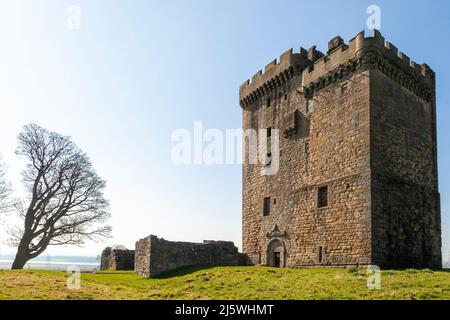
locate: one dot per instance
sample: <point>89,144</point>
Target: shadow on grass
<point>182,271</point>
<point>107,272</point>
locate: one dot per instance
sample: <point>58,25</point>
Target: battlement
<point>278,71</point>
<point>286,60</point>
<point>317,69</point>
<point>370,48</point>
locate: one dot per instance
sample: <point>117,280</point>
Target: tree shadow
<point>182,271</point>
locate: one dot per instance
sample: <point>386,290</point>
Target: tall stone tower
<point>357,180</point>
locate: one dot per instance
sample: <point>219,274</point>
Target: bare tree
<point>4,189</point>
<point>66,205</point>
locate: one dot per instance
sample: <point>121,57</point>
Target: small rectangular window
<point>309,105</point>
<point>269,132</point>
<point>266,206</point>
<point>322,197</point>
<point>285,97</point>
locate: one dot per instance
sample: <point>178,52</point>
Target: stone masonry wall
<point>117,259</point>
<point>337,132</point>
<point>156,256</point>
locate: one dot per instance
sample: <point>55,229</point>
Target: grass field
<point>228,283</point>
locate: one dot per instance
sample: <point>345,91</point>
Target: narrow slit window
<point>269,132</point>
<point>266,206</point>
<point>320,255</point>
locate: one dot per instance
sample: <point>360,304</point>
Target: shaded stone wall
<point>117,259</point>
<point>406,214</point>
<point>362,95</point>
<point>155,256</point>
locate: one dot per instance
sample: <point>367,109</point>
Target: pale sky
<point>138,70</point>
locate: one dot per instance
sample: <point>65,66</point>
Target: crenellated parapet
<point>368,53</point>
<point>276,73</point>
<point>341,60</point>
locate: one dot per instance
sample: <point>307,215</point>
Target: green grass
<point>228,283</point>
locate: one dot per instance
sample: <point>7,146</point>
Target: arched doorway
<point>275,254</point>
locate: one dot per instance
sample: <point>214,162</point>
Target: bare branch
<point>5,201</point>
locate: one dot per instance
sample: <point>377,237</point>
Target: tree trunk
<point>21,259</point>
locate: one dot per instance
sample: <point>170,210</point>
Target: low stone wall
<point>117,259</point>
<point>155,256</point>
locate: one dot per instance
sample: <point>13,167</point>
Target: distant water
<point>54,262</point>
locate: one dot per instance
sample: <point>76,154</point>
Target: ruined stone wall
<point>156,256</point>
<point>142,256</point>
<point>117,259</point>
<point>105,261</point>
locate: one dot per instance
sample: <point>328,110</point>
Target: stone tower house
<point>357,179</point>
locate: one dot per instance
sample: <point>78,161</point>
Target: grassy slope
<point>228,283</point>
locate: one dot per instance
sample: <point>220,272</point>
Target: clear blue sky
<point>137,70</point>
